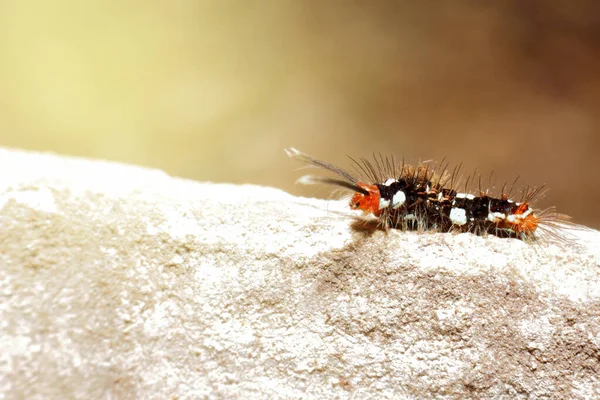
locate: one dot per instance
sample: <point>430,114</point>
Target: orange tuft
<point>369,203</point>
<point>521,209</point>
<point>525,225</point>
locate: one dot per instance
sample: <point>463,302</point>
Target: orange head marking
<point>367,202</point>
<point>525,220</point>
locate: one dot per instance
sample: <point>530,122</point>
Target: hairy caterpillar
<point>425,198</point>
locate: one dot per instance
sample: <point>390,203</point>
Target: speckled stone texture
<point>122,282</point>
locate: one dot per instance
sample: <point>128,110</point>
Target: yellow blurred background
<point>215,90</point>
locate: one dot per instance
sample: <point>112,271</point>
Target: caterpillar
<point>426,198</point>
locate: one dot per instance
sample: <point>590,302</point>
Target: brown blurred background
<point>215,90</point>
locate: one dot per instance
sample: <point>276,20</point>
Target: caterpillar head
<point>368,200</point>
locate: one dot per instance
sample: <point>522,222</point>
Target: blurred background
<point>215,90</point>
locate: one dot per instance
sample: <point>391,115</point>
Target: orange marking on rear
<point>528,224</point>
<point>521,208</point>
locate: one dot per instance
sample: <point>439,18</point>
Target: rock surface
<point>123,282</point>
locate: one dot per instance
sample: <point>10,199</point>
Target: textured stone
<point>118,281</point>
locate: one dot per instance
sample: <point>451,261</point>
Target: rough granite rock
<point>123,282</point>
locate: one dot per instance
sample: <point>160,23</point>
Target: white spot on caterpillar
<point>513,218</point>
<point>399,199</point>
<point>496,217</point>
<point>383,203</point>
<point>465,196</point>
<point>458,216</point>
